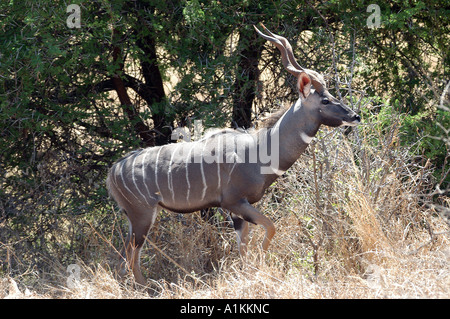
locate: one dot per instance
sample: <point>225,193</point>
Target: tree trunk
<point>139,126</point>
<point>247,76</point>
<point>156,96</point>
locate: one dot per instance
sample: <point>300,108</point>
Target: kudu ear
<point>304,84</point>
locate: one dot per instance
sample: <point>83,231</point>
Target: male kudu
<point>228,169</point>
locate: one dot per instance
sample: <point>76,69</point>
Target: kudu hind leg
<point>139,226</point>
<point>133,256</point>
<point>241,229</point>
<point>252,215</point>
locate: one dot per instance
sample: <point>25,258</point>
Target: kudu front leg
<point>250,214</point>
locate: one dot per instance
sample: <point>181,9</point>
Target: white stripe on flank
<point>117,186</point>
<point>187,174</point>
<point>134,179</point>
<point>125,184</point>
<point>232,168</point>
<point>218,175</point>
<point>156,173</point>
<point>203,173</point>
<point>169,172</point>
<point>143,174</point>
<point>306,138</point>
<point>218,153</point>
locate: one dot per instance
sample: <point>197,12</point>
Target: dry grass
<point>353,221</point>
<point>422,275</point>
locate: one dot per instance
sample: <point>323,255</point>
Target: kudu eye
<point>325,101</point>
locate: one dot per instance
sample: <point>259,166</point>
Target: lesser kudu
<point>228,168</point>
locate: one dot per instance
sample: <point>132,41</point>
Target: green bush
<point>72,101</point>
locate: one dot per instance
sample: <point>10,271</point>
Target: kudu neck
<point>294,130</point>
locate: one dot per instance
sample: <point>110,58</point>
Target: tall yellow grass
<point>352,219</point>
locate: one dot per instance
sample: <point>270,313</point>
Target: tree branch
<point>140,127</point>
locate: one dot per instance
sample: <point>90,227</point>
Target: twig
<point>433,238</point>
<point>316,186</point>
<point>174,262</point>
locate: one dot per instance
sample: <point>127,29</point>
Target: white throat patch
<point>306,138</point>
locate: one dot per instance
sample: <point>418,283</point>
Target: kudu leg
<point>250,214</point>
<point>140,223</point>
<point>241,228</point>
<point>131,253</point>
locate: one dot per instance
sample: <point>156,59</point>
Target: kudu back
<point>227,168</point>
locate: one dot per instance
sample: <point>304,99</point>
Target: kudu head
<point>325,108</point>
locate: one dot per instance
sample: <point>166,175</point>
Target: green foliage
<point>423,129</point>
<point>421,133</point>
<point>63,120</point>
